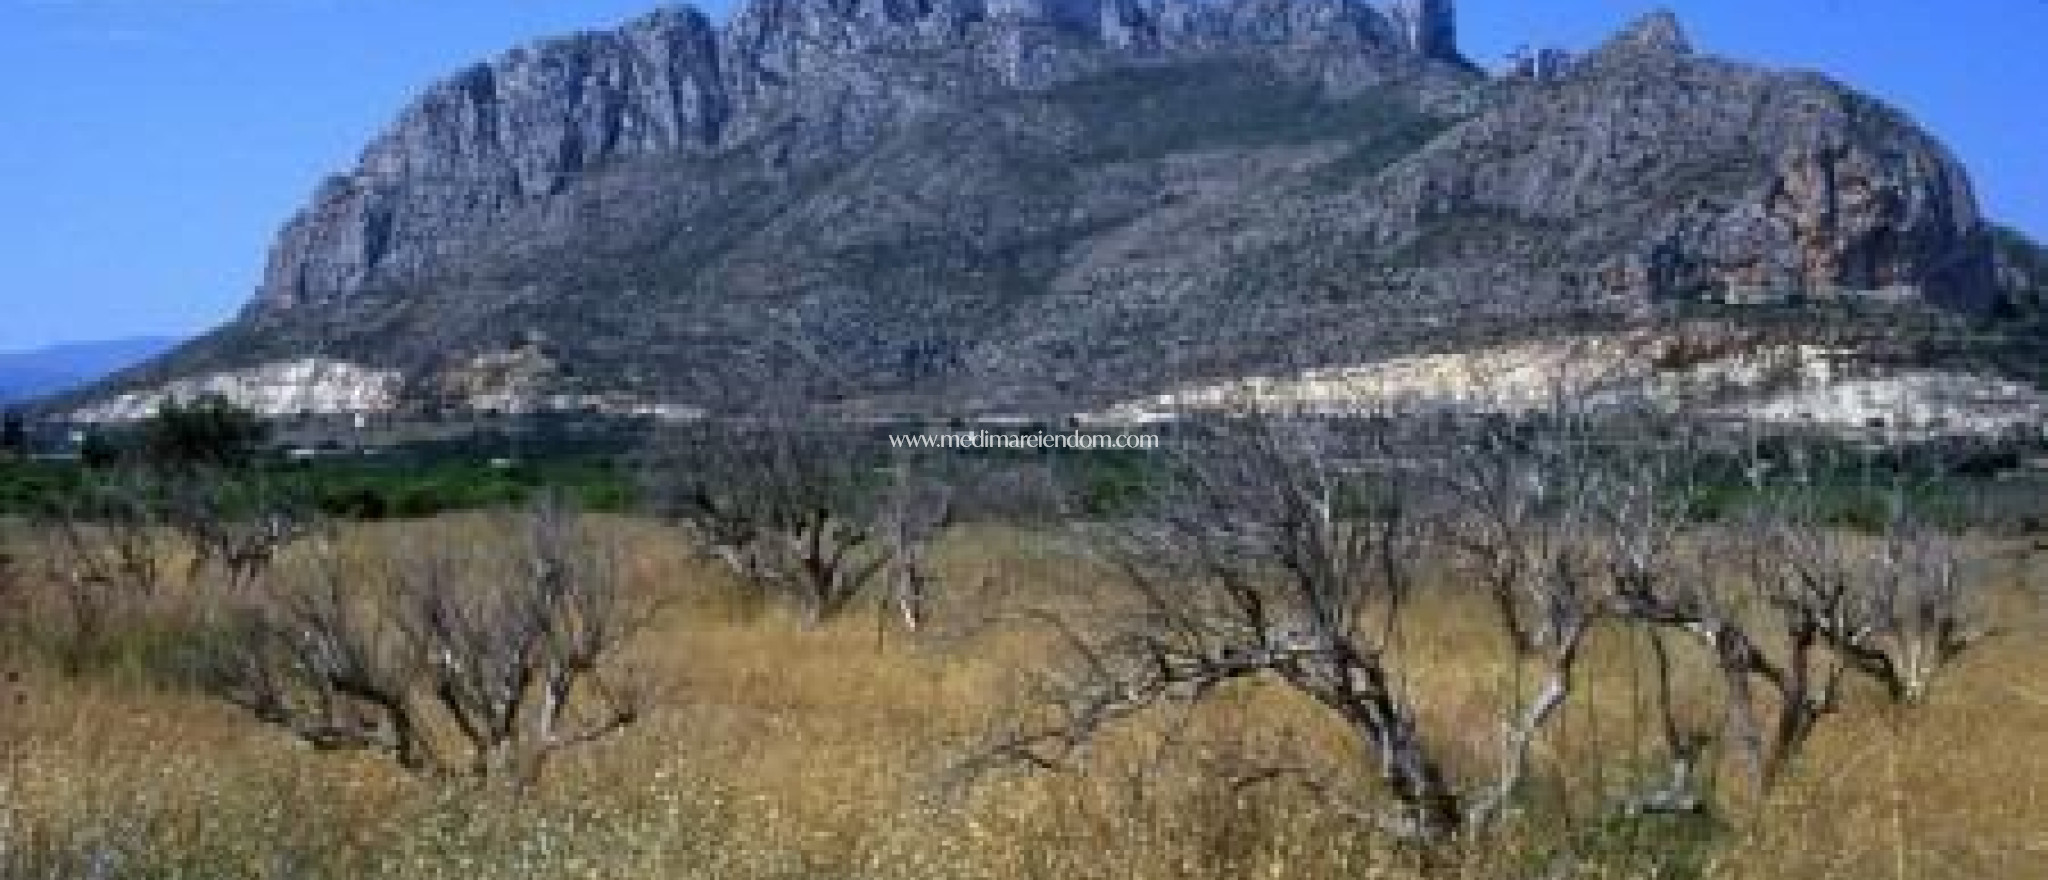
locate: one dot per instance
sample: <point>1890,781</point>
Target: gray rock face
<point>1002,202</point>
<point>822,78</point>
<point>1696,176</point>
<point>1659,35</point>
<point>1429,28</point>
<point>499,135</point>
<point>2022,268</point>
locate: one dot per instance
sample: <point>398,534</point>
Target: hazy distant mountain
<point>26,375</point>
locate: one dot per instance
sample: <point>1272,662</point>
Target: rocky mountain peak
<point>669,20</point>
<point>1659,34</point>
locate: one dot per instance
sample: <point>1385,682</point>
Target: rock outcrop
<point>309,386</point>
<point>2022,268</point>
<point>1656,37</point>
<point>1691,369</point>
<point>1429,28</point>
<point>1007,203</point>
<point>1701,176</point>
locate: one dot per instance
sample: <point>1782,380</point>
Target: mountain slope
<point>952,204</point>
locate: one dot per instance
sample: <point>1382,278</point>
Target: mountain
<point>2022,265</point>
<point>27,375</point>
<point>949,205</point>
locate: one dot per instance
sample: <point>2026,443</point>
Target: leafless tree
<point>1790,604</point>
<point>482,663</point>
<point>789,510</point>
<point>234,521</point>
<point>1641,526</point>
<point>104,552</point>
<point>1287,552</point>
<point>1899,606</point>
<point>1518,504</point>
<point>1292,552</point>
<point>911,514</point>
<point>109,548</point>
<point>317,652</point>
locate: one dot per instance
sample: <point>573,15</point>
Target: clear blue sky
<point>152,147</point>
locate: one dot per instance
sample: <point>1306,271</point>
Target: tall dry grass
<point>772,751</point>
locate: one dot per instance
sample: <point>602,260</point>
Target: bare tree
<point>1292,552</point>
<point>318,653</point>
<point>104,554</point>
<point>1287,552</point>
<point>109,547</point>
<point>910,516</point>
<point>237,521</point>
<point>1789,603</point>
<point>789,509</point>
<point>1659,575</point>
<point>509,665</point>
<point>1519,503</point>
<point>1899,606</point>
<point>445,661</point>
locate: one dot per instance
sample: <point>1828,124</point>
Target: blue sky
<point>152,147</point>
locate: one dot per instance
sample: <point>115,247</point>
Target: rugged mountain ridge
<point>1000,203</point>
<point>809,78</point>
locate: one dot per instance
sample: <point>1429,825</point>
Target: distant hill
<point>27,375</point>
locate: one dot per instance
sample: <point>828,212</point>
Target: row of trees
<point>1297,553</point>
<point>473,659</point>
<point>464,660</point>
<point>476,661</point>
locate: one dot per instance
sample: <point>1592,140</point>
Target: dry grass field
<point>773,751</point>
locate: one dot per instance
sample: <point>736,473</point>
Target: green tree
<point>209,431</point>
<point>13,433</point>
<point>98,451</point>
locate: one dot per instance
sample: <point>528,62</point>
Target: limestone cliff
<point>816,78</point>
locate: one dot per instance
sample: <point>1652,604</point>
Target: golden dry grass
<point>775,752</point>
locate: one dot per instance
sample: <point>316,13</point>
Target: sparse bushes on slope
<point>1144,113</point>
